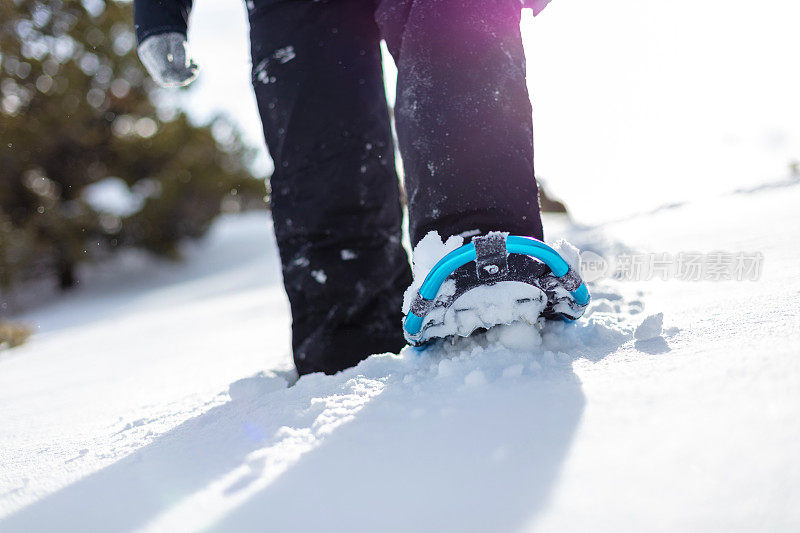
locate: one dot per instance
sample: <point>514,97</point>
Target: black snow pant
<point>463,120</point>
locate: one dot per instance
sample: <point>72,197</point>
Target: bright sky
<point>637,103</point>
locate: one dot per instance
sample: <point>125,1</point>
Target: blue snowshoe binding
<point>469,289</point>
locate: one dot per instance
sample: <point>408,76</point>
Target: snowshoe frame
<point>490,255</point>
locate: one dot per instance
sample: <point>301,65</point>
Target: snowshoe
<point>495,279</point>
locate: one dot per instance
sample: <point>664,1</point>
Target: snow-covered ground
<point>147,400</point>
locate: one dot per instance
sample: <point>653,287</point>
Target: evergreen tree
<point>77,110</point>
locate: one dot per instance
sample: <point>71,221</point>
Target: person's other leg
<point>463,116</point>
<point>335,200</point>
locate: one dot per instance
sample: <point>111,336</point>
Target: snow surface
<point>155,399</point>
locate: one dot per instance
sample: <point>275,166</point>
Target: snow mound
<point>570,253</point>
<point>426,254</point>
<point>650,328</point>
<point>257,385</point>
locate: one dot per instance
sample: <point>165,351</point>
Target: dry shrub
<point>13,334</point>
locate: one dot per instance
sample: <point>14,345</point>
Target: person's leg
<point>463,116</point>
<point>335,201</point>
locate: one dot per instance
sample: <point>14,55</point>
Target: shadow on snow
<point>377,453</point>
